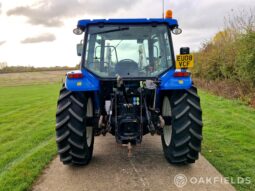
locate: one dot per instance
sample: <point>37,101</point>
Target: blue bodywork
<point>169,82</point>
<point>82,24</point>
<point>90,82</point>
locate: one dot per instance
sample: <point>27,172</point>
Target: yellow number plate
<point>184,61</point>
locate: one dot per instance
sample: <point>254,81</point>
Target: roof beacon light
<point>169,14</point>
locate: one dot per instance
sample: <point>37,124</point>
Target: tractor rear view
<point>129,85</point>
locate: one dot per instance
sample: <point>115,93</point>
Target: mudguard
<point>90,83</point>
<point>87,83</point>
<point>169,82</point>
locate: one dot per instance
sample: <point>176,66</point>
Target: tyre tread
<point>186,127</point>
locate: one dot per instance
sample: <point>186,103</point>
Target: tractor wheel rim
<point>167,129</point>
<point>89,129</point>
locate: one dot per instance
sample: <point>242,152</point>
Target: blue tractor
<point>129,85</point>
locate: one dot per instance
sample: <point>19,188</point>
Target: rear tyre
<point>75,139</point>
<point>181,140</point>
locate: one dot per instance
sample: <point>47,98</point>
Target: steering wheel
<point>126,67</point>
<point>127,60</point>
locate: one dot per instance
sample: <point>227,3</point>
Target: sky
<point>39,32</point>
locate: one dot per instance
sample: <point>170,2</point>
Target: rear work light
<point>75,75</point>
<point>181,74</point>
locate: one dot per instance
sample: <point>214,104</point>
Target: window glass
<point>128,50</point>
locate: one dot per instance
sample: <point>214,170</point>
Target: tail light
<point>75,75</point>
<point>181,74</point>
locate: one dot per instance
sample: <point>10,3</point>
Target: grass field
<point>31,78</point>
<point>229,138</point>
<point>27,120</point>
<point>27,135</point>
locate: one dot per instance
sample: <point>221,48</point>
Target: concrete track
<point>147,170</point>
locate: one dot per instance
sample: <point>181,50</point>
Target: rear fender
<point>169,82</point>
<point>87,83</point>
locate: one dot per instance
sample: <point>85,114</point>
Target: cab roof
<point>82,24</point>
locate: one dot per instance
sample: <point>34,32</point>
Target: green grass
<point>229,138</point>
<point>27,135</point>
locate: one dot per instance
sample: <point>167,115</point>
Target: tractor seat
<point>126,68</point>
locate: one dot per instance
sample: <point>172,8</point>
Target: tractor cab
<point>127,47</point>
<point>128,50</point>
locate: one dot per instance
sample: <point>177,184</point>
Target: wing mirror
<point>79,48</point>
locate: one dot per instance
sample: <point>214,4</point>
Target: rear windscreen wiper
<point>113,30</point>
